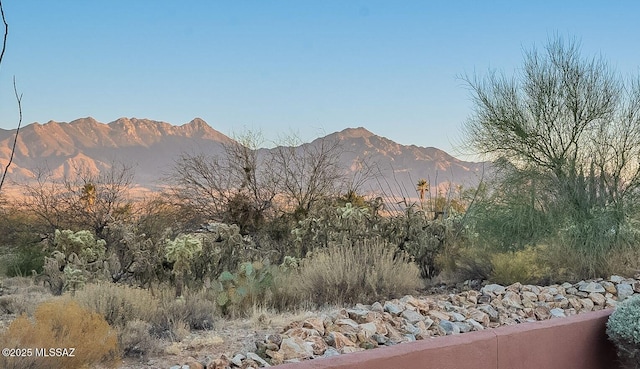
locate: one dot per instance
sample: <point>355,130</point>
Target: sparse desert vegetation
<point>286,230</point>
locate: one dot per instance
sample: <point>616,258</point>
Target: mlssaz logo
<point>55,352</point>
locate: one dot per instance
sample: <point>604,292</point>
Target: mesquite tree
<point>565,129</point>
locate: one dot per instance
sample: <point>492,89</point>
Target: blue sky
<point>311,67</point>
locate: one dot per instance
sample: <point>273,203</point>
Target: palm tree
<point>422,187</point>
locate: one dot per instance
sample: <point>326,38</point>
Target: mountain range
<point>151,147</point>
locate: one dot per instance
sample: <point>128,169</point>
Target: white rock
<point>495,289</point>
<point>253,356</point>
<point>616,279</point>
<point>592,287</point>
<point>624,291</point>
<point>557,313</point>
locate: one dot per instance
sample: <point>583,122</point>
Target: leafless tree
<point>84,200</point>
<point>308,173</point>
<point>246,183</point>
<point>18,99</point>
<point>237,186</point>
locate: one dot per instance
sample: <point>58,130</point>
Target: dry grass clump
<point>140,318</point>
<point>61,323</point>
<point>194,310</point>
<point>624,261</point>
<point>117,303</point>
<point>133,312</point>
<point>135,338</point>
<point>345,274</point>
<point>20,295</point>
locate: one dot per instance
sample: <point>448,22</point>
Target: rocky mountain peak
<point>359,132</point>
<point>152,146</point>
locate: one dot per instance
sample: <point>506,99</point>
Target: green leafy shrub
<point>345,273</point>
<point>623,329</point>
<point>594,237</point>
<point>65,324</point>
<point>29,258</point>
<point>524,266</point>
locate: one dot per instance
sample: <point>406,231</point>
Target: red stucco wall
<point>577,342</point>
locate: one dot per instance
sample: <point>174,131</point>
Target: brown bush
<point>20,295</point>
<point>61,323</point>
<point>194,310</point>
<point>135,338</point>
<point>118,304</point>
<point>132,312</point>
<point>364,272</point>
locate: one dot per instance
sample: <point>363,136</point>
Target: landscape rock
<point>616,279</point>
<point>410,318</point>
<point>557,313</point>
<point>494,289</point>
<point>591,287</point>
<point>598,298</point>
<point>392,308</point>
<point>253,356</point>
<point>448,327</point>
<point>624,290</point>
<point>295,348</point>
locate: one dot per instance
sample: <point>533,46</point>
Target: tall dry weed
<point>345,274</point>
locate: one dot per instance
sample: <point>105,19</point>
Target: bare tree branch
<point>15,90</point>
<point>15,139</point>
<point>6,32</point>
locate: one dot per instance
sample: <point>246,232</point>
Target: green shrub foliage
<point>411,232</point>
<point>623,329</point>
<point>29,258</point>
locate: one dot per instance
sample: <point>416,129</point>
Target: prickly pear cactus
<point>237,291</point>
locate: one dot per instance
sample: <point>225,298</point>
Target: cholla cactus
<point>74,279</point>
<point>290,263</point>
<point>75,258</point>
<point>82,243</point>
<point>342,224</point>
<point>623,329</point>
<point>348,211</point>
<point>181,251</point>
